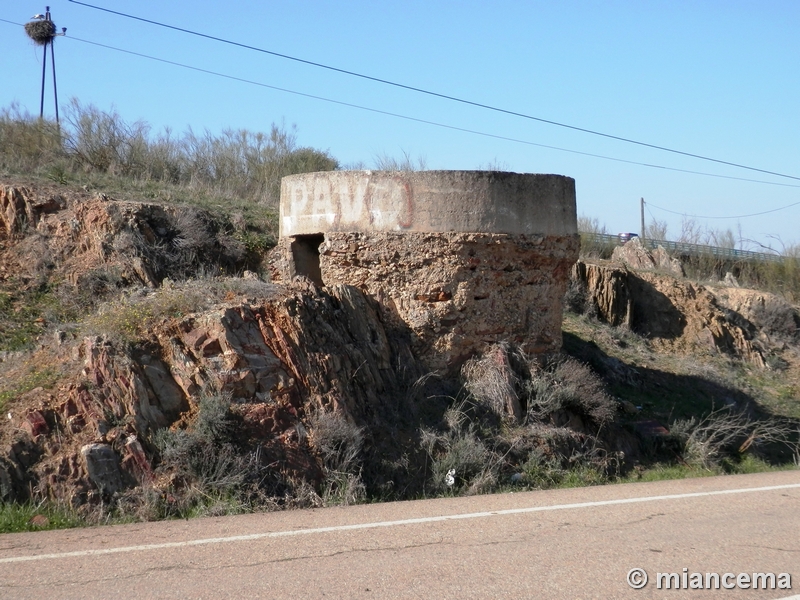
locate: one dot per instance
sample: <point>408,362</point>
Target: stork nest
<point>41,32</point>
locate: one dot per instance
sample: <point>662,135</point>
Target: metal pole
<point>643,231</point>
<point>44,68</point>
<point>53,64</point>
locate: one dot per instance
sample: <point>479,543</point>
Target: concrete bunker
<point>462,258</point>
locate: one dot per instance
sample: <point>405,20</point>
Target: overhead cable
<point>766,212</point>
<point>415,119</point>
<point>435,94</point>
<point>424,121</point>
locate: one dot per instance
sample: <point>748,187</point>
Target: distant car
<point>626,237</point>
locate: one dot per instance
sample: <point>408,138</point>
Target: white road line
<point>375,525</point>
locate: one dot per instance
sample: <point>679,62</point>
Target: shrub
<point>460,452</point>
<point>338,440</point>
<point>543,471</point>
<point>725,434</point>
<point>201,462</point>
<point>572,388</point>
<point>28,143</point>
<point>494,380</point>
<point>339,443</point>
<point>577,299</point>
<point>213,422</point>
<point>234,164</point>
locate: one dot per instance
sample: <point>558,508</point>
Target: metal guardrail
<point>689,249</point>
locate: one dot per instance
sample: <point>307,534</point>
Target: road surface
<point>574,543</point>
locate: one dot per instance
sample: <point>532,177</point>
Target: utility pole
<point>643,233</point>
<point>42,31</point>
<point>53,63</point>
<point>44,67</point>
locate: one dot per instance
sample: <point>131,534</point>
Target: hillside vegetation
<point>136,314</point>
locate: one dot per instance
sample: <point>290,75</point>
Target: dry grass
<point>234,164</point>
<point>134,316</point>
<point>339,443</point>
<point>495,379</point>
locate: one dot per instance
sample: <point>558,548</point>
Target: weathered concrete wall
<point>428,201</point>
<point>461,258</point>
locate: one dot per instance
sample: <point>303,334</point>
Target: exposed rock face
<point>277,359</point>
<point>371,313</point>
<point>673,313</point>
<point>102,467</point>
<point>80,234</point>
<point>20,209</point>
<point>772,315</point>
<point>608,291</point>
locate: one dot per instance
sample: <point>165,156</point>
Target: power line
<point>423,121</point>
<point>415,119</point>
<point>435,94</point>
<point>766,212</point>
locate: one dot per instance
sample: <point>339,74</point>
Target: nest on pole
<point>41,32</point>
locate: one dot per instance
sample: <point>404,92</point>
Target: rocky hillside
<point>149,365</point>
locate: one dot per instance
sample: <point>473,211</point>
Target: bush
<point>569,388</point>
<point>725,434</point>
<point>460,453</point>
<point>27,143</point>
<point>201,462</point>
<point>577,299</point>
<point>494,380</point>
<point>542,471</point>
<point>339,443</point>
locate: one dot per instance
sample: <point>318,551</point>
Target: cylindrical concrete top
<point>428,201</point>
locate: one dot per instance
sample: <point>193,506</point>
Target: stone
<point>730,280</point>
<point>102,466</point>
<point>39,521</point>
<point>35,424</point>
<point>635,255</point>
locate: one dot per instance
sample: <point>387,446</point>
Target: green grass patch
<point>15,518</point>
<point>663,472</point>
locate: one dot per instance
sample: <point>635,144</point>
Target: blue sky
<point>714,78</point>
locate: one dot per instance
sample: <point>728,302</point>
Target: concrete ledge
<point>428,201</point>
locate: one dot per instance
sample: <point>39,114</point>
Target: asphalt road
<point>576,543</point>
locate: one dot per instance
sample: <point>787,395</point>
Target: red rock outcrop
<point>278,359</point>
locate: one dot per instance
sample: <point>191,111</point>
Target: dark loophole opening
<point>305,254</point>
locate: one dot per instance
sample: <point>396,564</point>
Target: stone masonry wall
<point>457,292</point>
